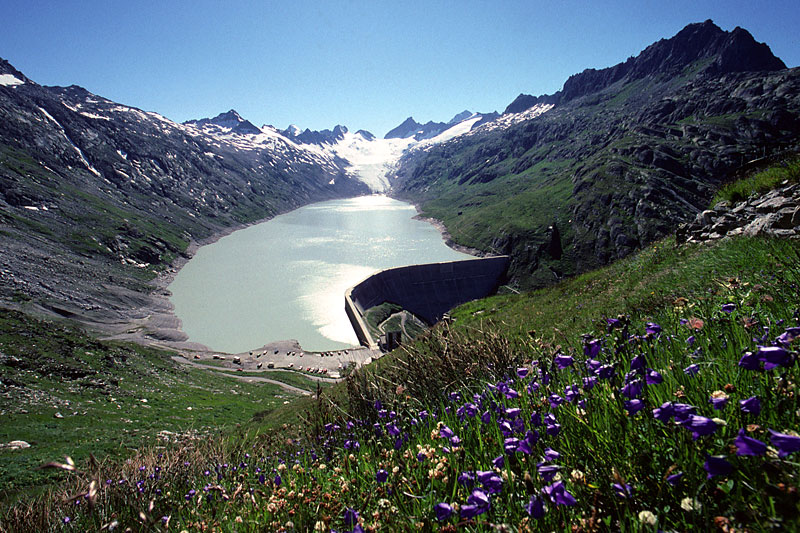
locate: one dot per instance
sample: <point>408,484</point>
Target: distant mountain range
<point>96,196</point>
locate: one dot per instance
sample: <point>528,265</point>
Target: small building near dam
<point>428,291</point>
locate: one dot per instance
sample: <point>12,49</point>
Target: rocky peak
<point>308,136</point>
<point>711,49</point>
<point>460,117</point>
<point>366,135</point>
<point>8,68</point>
<point>406,129</point>
<point>527,101</point>
<point>231,120</point>
<point>703,45</point>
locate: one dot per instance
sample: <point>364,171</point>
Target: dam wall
<point>429,291</point>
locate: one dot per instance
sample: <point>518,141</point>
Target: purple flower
<point>750,361</point>
<point>551,455</point>
<point>563,361</point>
<point>751,405</point>
<point>592,365</point>
<point>729,308</point>
<point>511,444</point>
<point>558,494</point>
<point>589,383</point>
<point>652,328</point>
<point>719,402</point>
<point>773,356</point>
<point>277,480</point>
<point>512,412</point>
<point>623,491</point>
<point>682,411</point>
<point>633,406</point>
<point>536,419</point>
<point>749,446</point>
<point>699,426</point>
<point>605,371</point>
<point>522,372</point>
<point>571,393</point>
<point>477,504</point>
<point>548,472</point>
<point>491,481</point>
<point>633,389</point>
<point>690,341</point>
<point>612,323</point>
<point>789,335</point>
<point>653,377</point>
<point>553,429</point>
<point>786,444</point>
<point>674,478</point>
<point>445,432</point>
<point>535,507</point>
<point>467,479</point>
<point>381,476</point>
<point>499,461</point>
<point>637,362</point>
<point>350,517</point>
<point>555,400</point>
<point>717,465</point>
<point>486,417</point>
<point>591,348</point>
<point>443,511</point>
<point>692,370</point>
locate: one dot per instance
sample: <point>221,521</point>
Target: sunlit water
<point>286,278</point>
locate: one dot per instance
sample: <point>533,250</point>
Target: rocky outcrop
<point>776,213</point>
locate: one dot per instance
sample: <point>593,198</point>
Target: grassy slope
<point>98,388</point>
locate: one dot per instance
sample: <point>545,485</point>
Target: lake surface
<point>285,278</point>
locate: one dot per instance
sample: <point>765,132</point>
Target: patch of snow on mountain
<point>9,80</point>
<point>458,129</point>
<point>92,115</point>
<point>509,119</point>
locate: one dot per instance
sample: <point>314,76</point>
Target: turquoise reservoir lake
<point>285,278</point>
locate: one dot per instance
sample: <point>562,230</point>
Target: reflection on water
<point>285,278</point>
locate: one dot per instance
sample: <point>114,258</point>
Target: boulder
<point>16,445</point>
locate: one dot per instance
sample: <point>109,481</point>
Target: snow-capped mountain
<point>362,155</point>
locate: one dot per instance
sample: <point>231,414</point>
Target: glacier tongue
<point>371,160</point>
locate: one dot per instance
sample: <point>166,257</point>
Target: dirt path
<point>248,379</point>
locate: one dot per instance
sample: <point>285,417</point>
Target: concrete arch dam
<point>429,291</point>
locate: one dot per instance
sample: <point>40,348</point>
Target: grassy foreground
<point>62,391</point>
<point>658,393</point>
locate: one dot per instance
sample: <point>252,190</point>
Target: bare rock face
<point>776,213</point>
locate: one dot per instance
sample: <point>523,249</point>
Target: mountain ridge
<point>614,160</point>
<point>734,51</point>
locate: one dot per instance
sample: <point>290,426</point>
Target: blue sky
<point>364,64</point>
